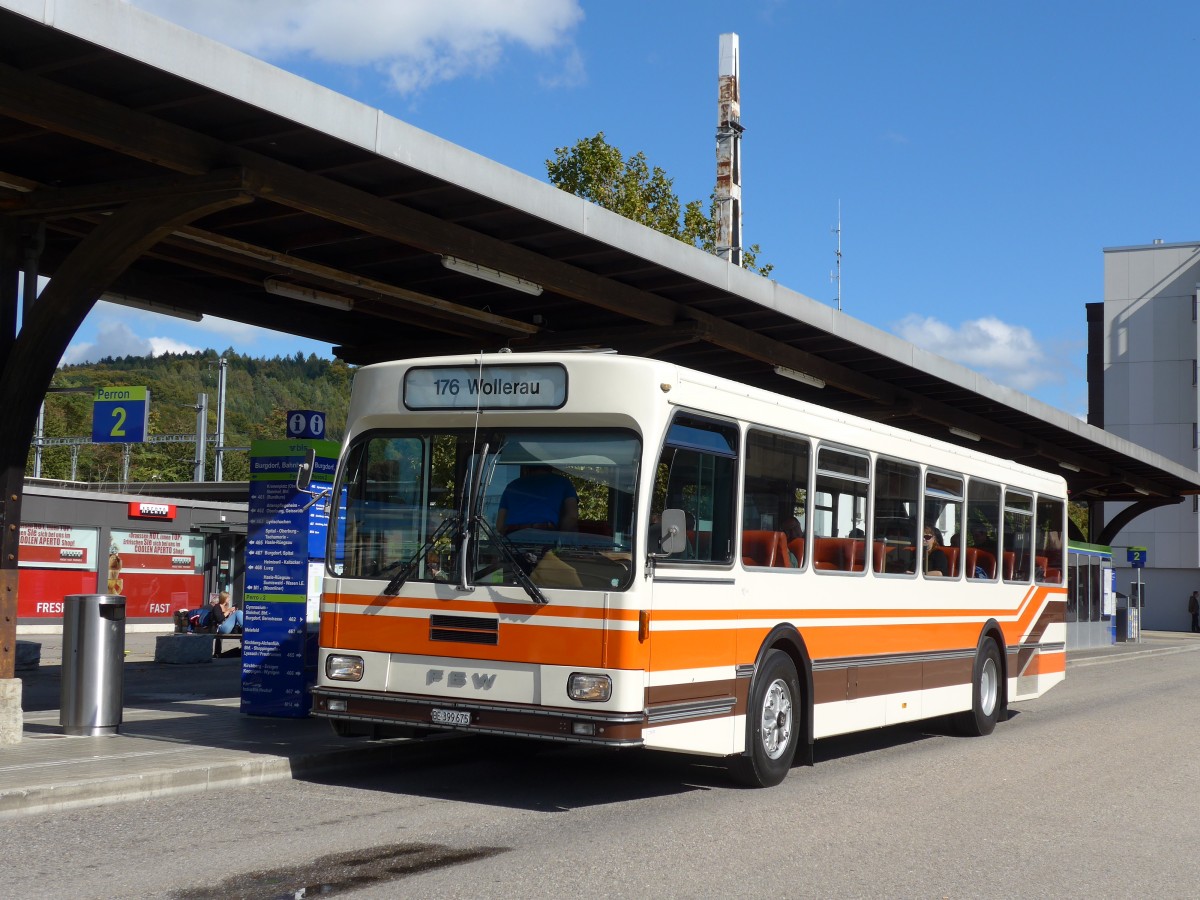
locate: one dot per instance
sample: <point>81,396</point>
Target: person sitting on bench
<point>224,617</point>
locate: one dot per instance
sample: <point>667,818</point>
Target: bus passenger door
<point>695,595</point>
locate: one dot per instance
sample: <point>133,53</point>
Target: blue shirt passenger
<point>542,499</point>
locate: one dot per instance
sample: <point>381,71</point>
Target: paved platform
<point>183,731</point>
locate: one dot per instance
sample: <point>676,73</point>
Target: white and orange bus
<point>615,551</point>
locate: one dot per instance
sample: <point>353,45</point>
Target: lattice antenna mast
<point>728,194</point>
<point>836,275</point>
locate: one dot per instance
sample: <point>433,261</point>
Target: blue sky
<point>983,154</point>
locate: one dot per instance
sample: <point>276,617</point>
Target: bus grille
<point>464,629</point>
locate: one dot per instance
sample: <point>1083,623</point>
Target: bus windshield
<point>557,504</point>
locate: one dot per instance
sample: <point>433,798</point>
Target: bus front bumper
<point>608,729</point>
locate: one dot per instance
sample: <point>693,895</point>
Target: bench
<point>183,625</point>
<point>236,637</point>
<point>190,647</point>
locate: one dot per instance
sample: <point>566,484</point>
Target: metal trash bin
<point>93,664</point>
<point>1121,624</point>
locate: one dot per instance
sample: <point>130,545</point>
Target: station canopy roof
<point>354,214</point>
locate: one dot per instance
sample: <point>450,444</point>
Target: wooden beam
<point>88,118</point>
<point>50,202</point>
<point>402,224</point>
<point>288,263</point>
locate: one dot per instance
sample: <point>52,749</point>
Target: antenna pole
<point>836,277</point>
<point>728,193</point>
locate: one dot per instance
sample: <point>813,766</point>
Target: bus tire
<point>986,692</point>
<point>772,724</point>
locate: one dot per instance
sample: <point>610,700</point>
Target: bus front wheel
<point>986,692</point>
<point>772,724</point>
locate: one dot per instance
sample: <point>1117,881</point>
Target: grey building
<point>1142,352</point>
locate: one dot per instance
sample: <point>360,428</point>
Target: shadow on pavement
<point>145,683</point>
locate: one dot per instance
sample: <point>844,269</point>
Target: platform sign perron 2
<point>1136,557</point>
<point>120,415</point>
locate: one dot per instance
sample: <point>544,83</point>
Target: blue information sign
<point>306,423</point>
<point>120,415</point>
<point>1136,557</point>
<point>278,665</point>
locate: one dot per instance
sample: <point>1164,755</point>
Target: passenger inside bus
<point>936,562</point>
<point>540,498</point>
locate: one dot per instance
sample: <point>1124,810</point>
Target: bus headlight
<point>343,668</point>
<point>592,688</point>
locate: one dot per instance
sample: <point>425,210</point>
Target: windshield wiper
<point>506,548</point>
<point>410,565</point>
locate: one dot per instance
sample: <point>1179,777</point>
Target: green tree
<point>597,171</point>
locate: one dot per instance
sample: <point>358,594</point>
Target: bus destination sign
<point>486,387</point>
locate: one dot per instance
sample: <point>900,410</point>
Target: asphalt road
<point>1091,791</point>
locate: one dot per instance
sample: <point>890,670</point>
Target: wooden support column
<point>10,256</point>
<point>47,331</point>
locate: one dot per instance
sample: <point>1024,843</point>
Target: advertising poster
<point>278,667</point>
<point>54,561</point>
<point>156,572</point>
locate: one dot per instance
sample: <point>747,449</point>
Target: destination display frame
<point>504,386</point>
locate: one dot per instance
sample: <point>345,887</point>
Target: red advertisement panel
<point>40,591</point>
<point>54,561</point>
<point>157,572</point>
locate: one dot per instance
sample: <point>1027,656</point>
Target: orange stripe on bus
<point>576,644</point>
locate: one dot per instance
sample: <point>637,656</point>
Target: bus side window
<point>1048,567</point>
<point>894,516</point>
<point>1017,539</point>
<point>696,473</point>
<point>982,527</point>
<point>774,500</point>
<point>839,507</point>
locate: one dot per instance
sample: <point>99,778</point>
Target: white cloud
<point>161,345</point>
<point>417,43</point>
<point>118,339</point>
<point>572,73</point>
<point>1007,354</point>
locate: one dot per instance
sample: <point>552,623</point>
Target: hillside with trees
<point>258,395</point>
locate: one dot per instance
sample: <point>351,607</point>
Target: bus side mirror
<point>672,534</point>
<point>304,475</point>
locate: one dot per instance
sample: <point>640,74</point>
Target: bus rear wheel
<point>772,724</point>
<point>986,692</point>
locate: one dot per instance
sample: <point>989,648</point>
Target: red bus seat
<point>980,559</point>
<point>831,554</point>
<point>854,554</point>
<point>765,548</point>
<point>952,558</point>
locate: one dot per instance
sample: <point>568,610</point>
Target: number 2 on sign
<point>118,429</point>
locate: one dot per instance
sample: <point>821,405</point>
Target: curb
<point>93,792</point>
<point>1130,654</point>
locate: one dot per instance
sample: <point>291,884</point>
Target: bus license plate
<point>451,717</point>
